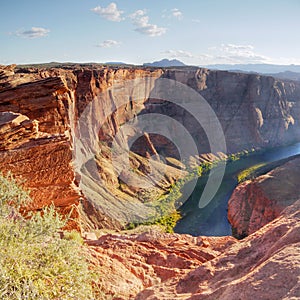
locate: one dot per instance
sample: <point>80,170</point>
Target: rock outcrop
<point>154,265</point>
<point>134,262</point>
<point>254,111</point>
<point>254,203</point>
<point>16,130</point>
<point>263,266</point>
<point>42,162</point>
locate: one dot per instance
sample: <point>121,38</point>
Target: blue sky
<point>194,31</point>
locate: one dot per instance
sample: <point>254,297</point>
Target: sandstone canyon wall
<point>40,109</point>
<point>255,203</point>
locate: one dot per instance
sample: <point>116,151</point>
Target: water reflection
<point>212,219</point>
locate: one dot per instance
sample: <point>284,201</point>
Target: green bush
<point>249,173</point>
<point>166,222</point>
<point>73,236</point>
<point>12,197</point>
<point>35,263</point>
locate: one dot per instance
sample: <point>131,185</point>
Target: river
<point>212,219</point>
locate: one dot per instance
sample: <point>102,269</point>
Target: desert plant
<point>73,236</point>
<point>35,263</point>
<point>12,197</point>
<point>250,172</point>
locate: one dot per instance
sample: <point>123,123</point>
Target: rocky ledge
<point>156,266</point>
<point>132,263</point>
<point>254,203</point>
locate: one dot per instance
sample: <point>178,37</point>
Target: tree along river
<point>212,219</point>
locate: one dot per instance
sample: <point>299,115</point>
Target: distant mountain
<point>115,63</point>
<point>287,75</point>
<point>165,63</point>
<point>257,68</point>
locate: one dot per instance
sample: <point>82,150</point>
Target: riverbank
<point>176,212</point>
<point>167,207</point>
<point>212,219</point>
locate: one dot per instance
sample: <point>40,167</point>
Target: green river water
<point>212,219</point>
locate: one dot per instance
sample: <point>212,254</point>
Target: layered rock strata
<point>156,266</point>
<point>134,262</point>
<point>254,203</point>
<point>253,110</point>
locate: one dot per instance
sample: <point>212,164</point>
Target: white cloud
<point>108,44</point>
<point>236,54</point>
<point>111,12</point>
<point>34,32</point>
<point>222,54</point>
<point>234,48</point>
<point>177,13</point>
<point>141,22</point>
<point>173,13</point>
<point>178,53</point>
<point>240,54</point>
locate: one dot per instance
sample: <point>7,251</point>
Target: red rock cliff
<point>254,203</point>
<point>37,143</point>
<point>263,266</point>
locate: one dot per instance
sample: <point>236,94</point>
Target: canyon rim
<point>109,143</point>
<point>149,150</point>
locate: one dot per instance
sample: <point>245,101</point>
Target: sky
<point>196,32</point>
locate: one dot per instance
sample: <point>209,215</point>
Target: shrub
<point>35,263</point>
<point>73,236</point>
<point>249,173</point>
<point>12,197</point>
<point>166,222</point>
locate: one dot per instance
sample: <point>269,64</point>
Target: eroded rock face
<point>254,203</point>
<point>253,110</point>
<point>135,262</point>
<point>43,162</point>
<point>15,130</point>
<point>38,114</point>
<point>40,109</point>
<point>35,144</point>
<point>263,266</point>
